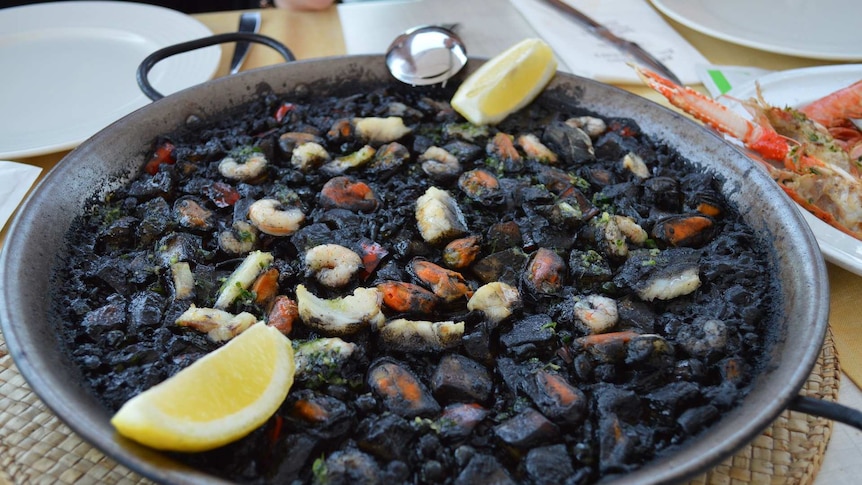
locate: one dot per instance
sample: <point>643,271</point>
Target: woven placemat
<point>36,447</point>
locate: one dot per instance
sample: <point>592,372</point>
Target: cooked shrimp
<point>245,169</point>
<point>439,163</point>
<point>239,239</point>
<point>535,149</point>
<point>598,313</point>
<point>266,215</point>
<point>332,265</point>
<point>591,125</point>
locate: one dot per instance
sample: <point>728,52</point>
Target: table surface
<point>319,34</point>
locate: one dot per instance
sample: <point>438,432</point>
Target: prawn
<point>821,186</point>
<point>835,112</point>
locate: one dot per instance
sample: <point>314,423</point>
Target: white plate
<point>797,88</point>
<point>68,68</point>
<point>822,29</point>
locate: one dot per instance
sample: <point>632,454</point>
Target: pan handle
<point>165,52</point>
<point>827,409</point>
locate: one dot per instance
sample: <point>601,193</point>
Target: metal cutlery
<point>626,46</point>
<point>248,22</point>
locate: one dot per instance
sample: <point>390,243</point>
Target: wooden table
<point>319,34</point>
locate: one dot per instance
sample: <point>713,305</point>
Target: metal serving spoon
<point>428,54</point>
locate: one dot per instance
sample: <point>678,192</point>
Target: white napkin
<point>586,55</point>
<point>15,180</point>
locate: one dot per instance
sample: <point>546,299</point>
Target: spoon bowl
<point>427,54</point>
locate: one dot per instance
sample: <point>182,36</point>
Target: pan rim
<point>90,425</point>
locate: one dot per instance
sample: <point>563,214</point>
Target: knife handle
<point>171,50</point>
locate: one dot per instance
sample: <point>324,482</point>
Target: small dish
<point>797,88</point>
<point>826,29</point>
<point>69,68</point>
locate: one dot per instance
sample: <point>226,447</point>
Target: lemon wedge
<point>216,400</point>
<point>506,83</point>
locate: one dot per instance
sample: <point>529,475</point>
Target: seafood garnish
<point>613,233</point>
<point>664,275</point>
<point>421,336</point>
<point>346,193</point>
<point>636,165</point>
<point>183,279</point>
<point>836,112</point>
<point>340,316</point>
<point>283,313</point>
<point>439,164</point>
<point>309,156</point>
<point>321,355</point>
<point>497,300</point>
<point>438,216</point>
<point>244,167</point>
<point>400,391</point>
<point>528,311</point>
<point>333,265</point>
<point>536,150</point>
<point>821,186</point>
<point>591,125</point>
<point>219,325</point>
<point>599,313</point>
<point>407,297</point>
<point>268,217</point>
<point>446,284</point>
<point>352,160</point>
<point>380,130</point>
<point>239,239</point>
<point>242,278</point>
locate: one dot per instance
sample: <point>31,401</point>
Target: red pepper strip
<point>283,110</point>
<point>372,254</point>
<point>164,154</point>
<point>222,194</point>
<point>275,430</point>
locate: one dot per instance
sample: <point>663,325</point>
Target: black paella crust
<point>638,401</point>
